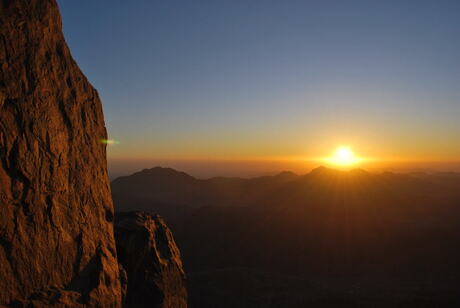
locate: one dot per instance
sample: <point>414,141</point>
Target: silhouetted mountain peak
<point>322,170</point>
<point>325,170</point>
<point>163,172</point>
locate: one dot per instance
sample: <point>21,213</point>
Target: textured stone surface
<point>148,253</point>
<point>56,233</point>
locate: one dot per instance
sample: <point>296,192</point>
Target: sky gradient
<point>272,80</point>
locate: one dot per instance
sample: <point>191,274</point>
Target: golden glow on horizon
<point>343,156</point>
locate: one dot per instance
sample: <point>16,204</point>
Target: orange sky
<point>249,89</point>
<point>253,155</point>
<point>248,168</point>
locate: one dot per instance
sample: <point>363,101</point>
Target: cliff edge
<point>57,245</point>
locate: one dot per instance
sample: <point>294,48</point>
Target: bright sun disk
<point>343,156</point>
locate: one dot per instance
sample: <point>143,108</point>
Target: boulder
<point>147,251</point>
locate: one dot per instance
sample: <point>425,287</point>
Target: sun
<point>343,156</point>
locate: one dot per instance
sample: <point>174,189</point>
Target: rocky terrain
<point>328,238</point>
<point>152,261</point>
<point>57,244</point>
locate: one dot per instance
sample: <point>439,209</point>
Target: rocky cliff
<point>57,245</point>
<point>148,253</point>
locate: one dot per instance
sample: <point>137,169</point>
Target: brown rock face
<point>148,253</point>
<point>56,233</point>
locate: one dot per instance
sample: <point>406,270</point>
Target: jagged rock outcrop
<point>57,245</point>
<point>148,253</point>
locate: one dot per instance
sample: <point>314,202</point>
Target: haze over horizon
<point>247,88</point>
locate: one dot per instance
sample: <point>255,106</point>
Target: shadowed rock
<point>148,253</point>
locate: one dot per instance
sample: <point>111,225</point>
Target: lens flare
<point>109,141</point>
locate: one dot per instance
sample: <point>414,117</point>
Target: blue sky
<point>232,79</point>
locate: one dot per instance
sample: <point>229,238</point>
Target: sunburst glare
<point>343,156</point>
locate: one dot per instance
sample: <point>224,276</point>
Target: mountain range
<point>386,233</point>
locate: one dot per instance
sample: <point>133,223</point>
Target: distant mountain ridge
<point>394,235</point>
<point>165,186</point>
<point>160,186</point>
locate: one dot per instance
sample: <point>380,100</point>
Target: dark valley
<point>325,239</point>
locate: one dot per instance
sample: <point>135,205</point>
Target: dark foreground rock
<point>148,253</point>
<point>57,245</point>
